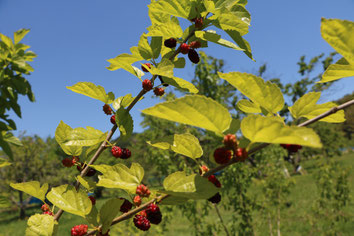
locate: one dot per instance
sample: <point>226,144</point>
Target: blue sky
<point>73,40</point>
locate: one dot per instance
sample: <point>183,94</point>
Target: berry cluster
<point>152,215</point>
<point>79,230</point>
<point>223,155</point>
<point>143,191</point>
<point>69,162</point>
<point>123,153</point>
<point>292,148</point>
<point>46,210</point>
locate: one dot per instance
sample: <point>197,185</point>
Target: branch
<point>114,128</point>
<point>222,222</point>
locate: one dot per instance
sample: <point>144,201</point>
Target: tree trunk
<point>22,206</point>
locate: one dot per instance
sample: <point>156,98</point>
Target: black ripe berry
<point>215,199</point>
<point>193,56</point>
<point>170,43</point>
<point>126,153</point>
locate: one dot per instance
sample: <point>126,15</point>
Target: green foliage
<point>108,212</point>
<point>13,66</point>
<point>124,122</point>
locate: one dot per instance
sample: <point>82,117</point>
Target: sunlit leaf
<point>168,30</point>
<point>62,133</point>
<point>194,110</point>
<point>190,187</point>
<point>120,176</point>
<point>341,69</point>
<point>248,106</point>
<point>181,83</point>
<point>19,34</point>
<point>179,8</point>
<point>85,137</point>
<point>87,183</point>
<point>68,199</point>
<point>41,225</point>
<point>124,122</point>
<point>91,90</point>
<point>306,107</point>
<point>272,130</point>
<point>212,36</point>
<point>265,94</point>
<point>32,188</point>
<point>184,144</point>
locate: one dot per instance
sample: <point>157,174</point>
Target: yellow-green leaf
<point>19,34</point>
<point>179,8</point>
<point>184,144</point>
<point>91,90</point>
<point>248,106</point>
<point>4,163</point>
<point>265,94</point>
<point>194,110</point>
<point>272,130</point>
<point>68,199</point>
<point>241,42</point>
<point>180,83</point>
<point>41,225</point>
<point>339,34</point>
<point>87,183</point>
<point>190,187</point>
<point>144,47</point>
<point>32,188</point>
<point>62,133</point>
<point>123,101</point>
<point>124,122</point>
<point>120,176</point>
<point>85,137</point>
<point>234,126</point>
<point>341,69</point>
<point>170,29</point>
<point>306,107</point>
<point>212,36</point>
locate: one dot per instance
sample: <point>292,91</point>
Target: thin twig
<point>222,222</point>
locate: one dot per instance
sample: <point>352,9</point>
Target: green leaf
<point>144,47</point>
<point>179,62</point>
<point>173,200</point>
<point>19,34</point>
<point>125,61</point>
<point>124,122</point>
<point>306,107</point>
<point>120,176</point>
<point>85,137</point>
<point>123,101</point>
<point>10,138</point>
<point>234,126</point>
<point>248,106</point>
<point>181,83</point>
<point>170,29</point>
<point>339,34</point>
<point>179,8</point>
<point>164,68</point>
<point>341,69</point>
<point>41,225</point>
<point>156,45</point>
<point>157,17</point>
<point>93,218</point>
<point>212,36</point>
<point>194,110</point>
<point>62,133</point>
<point>4,163</point>
<point>241,42</point>
<point>6,148</point>
<point>226,20</point>
<point>184,144</point>
<point>7,41</point>
<point>91,90</point>
<point>272,130</point>
<point>265,94</point>
<point>86,183</point>
<point>68,199</point>
<point>191,187</point>
<point>32,188</point>
<point>5,202</point>
<point>108,212</point>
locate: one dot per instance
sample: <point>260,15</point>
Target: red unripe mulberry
<point>185,48</point>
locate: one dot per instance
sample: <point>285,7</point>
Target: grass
<point>294,218</point>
